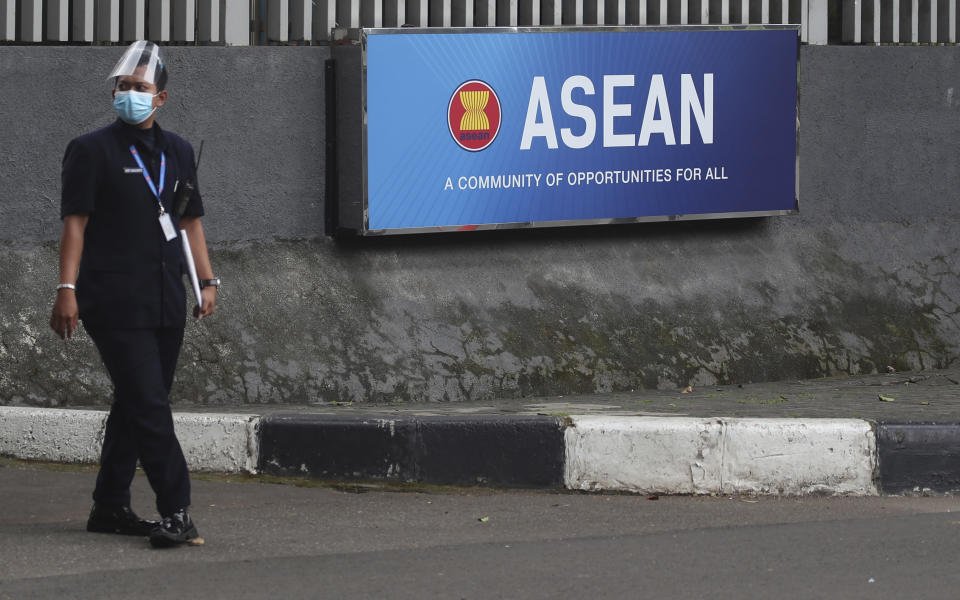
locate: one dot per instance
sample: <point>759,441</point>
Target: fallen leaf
<point>197,541</point>
<point>925,403</point>
<point>483,519</point>
<point>885,398</point>
<point>687,389</point>
<point>653,497</point>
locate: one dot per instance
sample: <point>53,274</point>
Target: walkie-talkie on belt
<point>185,193</point>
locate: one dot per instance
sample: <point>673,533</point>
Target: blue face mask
<point>133,107</point>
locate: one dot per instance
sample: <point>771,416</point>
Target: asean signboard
<point>493,128</point>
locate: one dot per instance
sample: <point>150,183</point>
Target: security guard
<point>128,189</point>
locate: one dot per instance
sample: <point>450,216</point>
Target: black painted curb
<point>529,451</point>
<point>510,451</point>
<point>915,457</point>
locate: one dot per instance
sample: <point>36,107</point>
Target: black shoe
<point>105,518</point>
<point>178,528</point>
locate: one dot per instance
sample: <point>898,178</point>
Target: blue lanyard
<point>146,174</point>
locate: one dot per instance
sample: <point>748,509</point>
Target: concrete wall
<point>865,277</point>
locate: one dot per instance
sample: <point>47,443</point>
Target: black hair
<point>161,70</point>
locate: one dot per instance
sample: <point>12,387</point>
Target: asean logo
<point>474,115</point>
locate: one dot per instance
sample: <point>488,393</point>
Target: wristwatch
<point>215,282</point>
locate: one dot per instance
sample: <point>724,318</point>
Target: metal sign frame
<point>346,211</point>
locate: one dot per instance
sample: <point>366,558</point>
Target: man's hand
<point>64,317</point>
<point>209,295</point>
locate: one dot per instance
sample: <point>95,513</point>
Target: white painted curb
<point>678,455</point>
<point>51,434</point>
<point>221,443</point>
<point>224,443</point>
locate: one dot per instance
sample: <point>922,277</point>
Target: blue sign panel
<point>482,129</point>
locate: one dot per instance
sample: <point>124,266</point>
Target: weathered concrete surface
<point>259,112</point>
<point>799,457</point>
<point>221,443</point>
<point>69,436</point>
<point>865,277</point>
<point>678,455</point>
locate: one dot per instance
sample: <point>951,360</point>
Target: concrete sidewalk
<point>879,434</point>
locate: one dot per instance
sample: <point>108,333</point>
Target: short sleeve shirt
<point>130,275</point>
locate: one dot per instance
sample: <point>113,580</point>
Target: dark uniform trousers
<point>141,363</point>
<point>131,297</point>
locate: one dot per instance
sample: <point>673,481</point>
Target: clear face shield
<point>140,60</point>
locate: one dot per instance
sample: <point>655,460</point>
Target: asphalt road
<point>268,540</point>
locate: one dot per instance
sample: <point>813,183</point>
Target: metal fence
<point>900,21</point>
<point>246,22</point>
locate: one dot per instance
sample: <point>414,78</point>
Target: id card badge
<point>166,224</point>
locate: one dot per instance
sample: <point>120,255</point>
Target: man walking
<point>128,189</point>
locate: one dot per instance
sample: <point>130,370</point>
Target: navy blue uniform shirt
<point>130,276</point>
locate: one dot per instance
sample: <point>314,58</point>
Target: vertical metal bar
<point>745,12</point>
<point>572,12</point>
<point>371,13</point>
<point>765,12</point>
<point>725,12</point>
<point>8,20</point>
<point>866,7</point>
<point>784,11</point>
<point>550,12</point>
<point>481,16</point>
<point>950,30</point>
<point>817,22</point>
<point>31,21</point>
<point>506,13</point>
<point>134,19</point>
<point>439,13</point>
<point>278,20</point>
<point>236,22</point>
<point>804,21</point>
<point>159,26</point>
<point>58,20</point>
<point>914,21</point>
<point>890,21</point>
<point>852,19</point>
<point>705,11</point>
<point>612,12</point>
<point>946,21</point>
<point>589,12</point>
<point>908,30</point>
<point>417,13</point>
<point>462,13</point>
<point>927,14</point>
<point>665,12</point>
<point>107,22</point>
<point>933,21</point>
<point>324,19</point>
<point>184,20</point>
<point>208,20</point>
<point>876,21</point>
<point>348,13</point>
<point>394,13</point>
<point>301,20</point>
